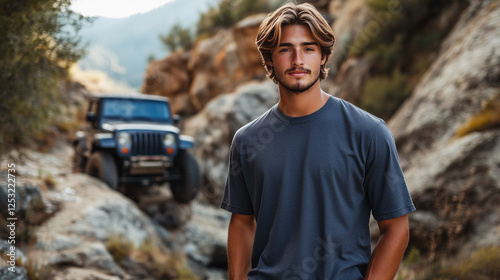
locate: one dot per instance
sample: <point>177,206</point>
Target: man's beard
<point>298,88</point>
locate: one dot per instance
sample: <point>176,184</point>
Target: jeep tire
<point>102,166</point>
<point>185,189</point>
<point>79,161</point>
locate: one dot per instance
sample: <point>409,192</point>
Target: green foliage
<point>487,118</point>
<point>163,266</point>
<point>38,271</point>
<point>383,95</point>
<point>151,57</point>
<point>413,256</point>
<point>229,12</point>
<point>39,42</point>
<point>407,23</point>
<point>400,38</point>
<point>177,38</point>
<point>387,55</point>
<point>119,247</point>
<point>427,39</point>
<point>483,264</point>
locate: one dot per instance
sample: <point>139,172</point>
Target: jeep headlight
<point>124,138</point>
<point>169,140</point>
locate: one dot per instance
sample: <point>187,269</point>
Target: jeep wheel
<point>102,165</point>
<point>79,161</point>
<point>186,188</point>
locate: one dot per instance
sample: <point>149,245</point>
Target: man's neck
<point>302,104</point>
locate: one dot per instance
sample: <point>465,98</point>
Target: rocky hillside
<point>215,65</point>
<point>72,226</point>
<point>446,84</point>
<point>455,182</point>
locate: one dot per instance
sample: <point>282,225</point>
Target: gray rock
<point>90,255</point>
<point>464,75</point>
<point>206,235</point>
<point>28,201</point>
<point>18,274</point>
<point>455,183</point>
<point>214,127</point>
<point>77,273</point>
<point>5,249</point>
<point>77,234</point>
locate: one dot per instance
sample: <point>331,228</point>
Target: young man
<point>305,175</point>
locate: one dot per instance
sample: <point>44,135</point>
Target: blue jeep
<point>132,144</point>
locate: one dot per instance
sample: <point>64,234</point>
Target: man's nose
<point>298,58</point>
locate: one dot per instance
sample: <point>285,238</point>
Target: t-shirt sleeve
<point>236,198</point>
<point>384,181</point>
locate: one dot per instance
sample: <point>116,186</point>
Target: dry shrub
<point>119,247</point>
<point>487,118</point>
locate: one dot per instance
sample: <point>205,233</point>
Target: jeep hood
<point>112,126</point>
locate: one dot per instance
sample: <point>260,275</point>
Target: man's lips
<point>299,72</point>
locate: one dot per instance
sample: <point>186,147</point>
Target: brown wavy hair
<point>269,35</point>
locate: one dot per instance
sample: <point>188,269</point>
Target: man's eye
<point>284,50</point>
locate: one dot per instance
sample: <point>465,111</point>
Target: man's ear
<point>269,62</point>
<point>323,60</point>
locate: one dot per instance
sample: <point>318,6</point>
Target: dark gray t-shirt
<point>311,183</point>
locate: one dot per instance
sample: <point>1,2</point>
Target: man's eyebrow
<point>302,44</point>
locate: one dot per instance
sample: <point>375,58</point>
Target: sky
<point>115,8</point>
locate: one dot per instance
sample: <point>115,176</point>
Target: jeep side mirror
<point>90,117</point>
<point>176,119</point>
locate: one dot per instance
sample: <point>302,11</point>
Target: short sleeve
<point>236,198</point>
<point>384,181</point>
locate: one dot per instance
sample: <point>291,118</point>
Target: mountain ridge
<point>121,47</point>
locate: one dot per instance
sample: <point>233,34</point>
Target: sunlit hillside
<point>121,47</point>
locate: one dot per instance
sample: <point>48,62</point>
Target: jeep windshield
<point>135,110</point>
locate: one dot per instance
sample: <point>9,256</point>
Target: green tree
<point>382,95</point>
<point>39,42</point>
<point>177,38</point>
<point>229,12</point>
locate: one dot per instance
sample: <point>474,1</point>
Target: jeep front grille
<point>147,143</point>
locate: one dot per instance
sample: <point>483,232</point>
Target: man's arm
<point>385,260</point>
<point>239,245</point>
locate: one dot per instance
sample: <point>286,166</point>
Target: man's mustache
<point>300,69</point>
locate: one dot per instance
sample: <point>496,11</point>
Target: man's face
<point>297,60</point>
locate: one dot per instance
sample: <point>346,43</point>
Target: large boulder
<point>347,75</point>
<point>455,183</point>
<point>214,127</point>
<point>464,75</point>
<point>206,235</point>
<point>91,216</point>
<point>215,65</point>
<point>170,77</point>
<point>78,228</point>
<point>7,271</point>
<point>222,62</point>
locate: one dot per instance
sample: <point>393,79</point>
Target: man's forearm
<point>389,251</point>
<point>239,246</point>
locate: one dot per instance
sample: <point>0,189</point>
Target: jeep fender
<point>103,141</point>
<point>187,142</point>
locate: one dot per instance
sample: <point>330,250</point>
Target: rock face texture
<point>222,62</point>
<point>77,228</point>
<point>216,65</point>
<point>170,77</point>
<point>214,127</point>
<point>347,74</point>
<point>90,215</point>
<point>455,183</point>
